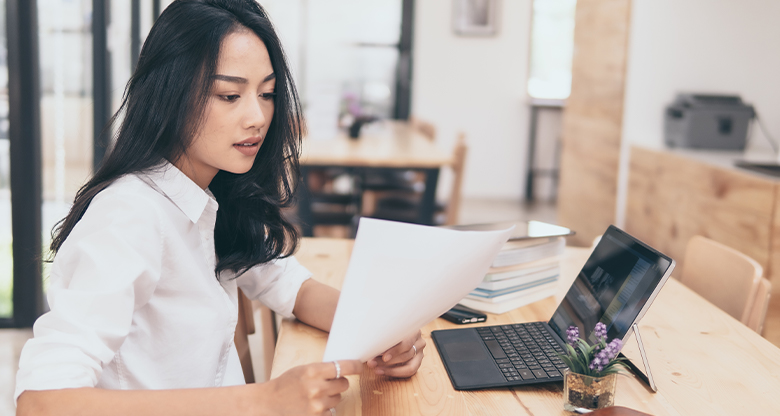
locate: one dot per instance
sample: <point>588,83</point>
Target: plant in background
<point>596,360</point>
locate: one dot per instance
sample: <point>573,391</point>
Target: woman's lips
<point>248,147</point>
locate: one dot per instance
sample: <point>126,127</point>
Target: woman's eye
<point>230,98</point>
<point>268,95</point>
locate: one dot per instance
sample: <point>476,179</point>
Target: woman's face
<point>237,114</point>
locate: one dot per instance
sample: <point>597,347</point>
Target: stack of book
<point>524,272</point>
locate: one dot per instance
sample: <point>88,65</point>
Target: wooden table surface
<point>392,144</point>
<point>704,361</point>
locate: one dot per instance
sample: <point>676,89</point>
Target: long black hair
<point>163,107</point>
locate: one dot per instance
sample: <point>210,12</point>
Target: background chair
<point>404,204</point>
<point>425,128</point>
<point>724,276</point>
<point>245,327</point>
<point>409,181</point>
<point>758,312</point>
<point>335,199</point>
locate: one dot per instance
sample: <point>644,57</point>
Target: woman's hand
<point>311,389</point>
<point>402,360</point>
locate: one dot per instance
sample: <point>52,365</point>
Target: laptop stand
<point>647,379</point>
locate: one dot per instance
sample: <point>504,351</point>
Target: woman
<point>185,209</point>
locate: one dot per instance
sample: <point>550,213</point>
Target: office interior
<point>597,124</point>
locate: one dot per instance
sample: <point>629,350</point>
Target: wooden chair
<point>246,327</point>
<point>404,205</point>
<point>327,206</point>
<point>425,128</point>
<point>452,210</point>
<point>724,276</point>
<point>409,181</point>
<point>760,305</point>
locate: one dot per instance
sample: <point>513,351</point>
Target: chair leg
<point>268,323</point>
<point>242,342</point>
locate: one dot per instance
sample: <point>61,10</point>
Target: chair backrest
<point>724,276</point>
<point>760,305</point>
<point>458,164</point>
<point>244,327</point>
<point>425,128</point>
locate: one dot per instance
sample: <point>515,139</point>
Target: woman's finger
<point>402,347</point>
<point>340,368</point>
<point>335,386</point>
<point>404,356</point>
<point>405,370</point>
<point>331,401</point>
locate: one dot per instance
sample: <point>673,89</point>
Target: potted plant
<point>591,378</point>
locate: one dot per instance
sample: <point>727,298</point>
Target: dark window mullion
<point>25,135</point>
<point>403,79</point>
<point>101,81</point>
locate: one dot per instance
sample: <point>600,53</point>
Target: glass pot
<point>581,391</point>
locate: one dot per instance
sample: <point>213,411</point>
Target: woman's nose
<point>255,116</point>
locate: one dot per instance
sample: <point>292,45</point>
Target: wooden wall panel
<point>671,198</point>
<point>592,119</point>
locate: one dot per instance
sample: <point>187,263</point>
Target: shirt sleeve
<point>275,284</point>
<point>107,268</point>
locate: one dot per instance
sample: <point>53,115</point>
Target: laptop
<point>616,286</point>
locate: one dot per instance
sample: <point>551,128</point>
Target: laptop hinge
<point>647,379</point>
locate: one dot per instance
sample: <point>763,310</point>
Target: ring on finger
<point>415,351</point>
<point>338,375</point>
<point>333,411</point>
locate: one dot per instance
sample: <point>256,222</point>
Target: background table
<point>704,361</point>
<point>392,146</point>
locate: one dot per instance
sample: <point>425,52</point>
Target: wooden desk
<point>393,145</point>
<point>704,361</point>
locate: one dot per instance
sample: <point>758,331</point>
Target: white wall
<point>718,46</point>
<point>478,86</point>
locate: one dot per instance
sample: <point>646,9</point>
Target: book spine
<point>495,284</point>
<point>529,254</point>
<point>499,308</point>
<point>514,295</point>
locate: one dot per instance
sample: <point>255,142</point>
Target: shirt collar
<point>181,190</point>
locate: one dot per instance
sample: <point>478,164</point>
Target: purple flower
<point>573,334</point>
<point>601,331</point>
<point>606,355</point>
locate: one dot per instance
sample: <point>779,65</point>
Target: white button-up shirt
<point>135,303</point>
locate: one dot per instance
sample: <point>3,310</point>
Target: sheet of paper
<point>402,276</point>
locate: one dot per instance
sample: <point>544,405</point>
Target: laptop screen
<point>619,278</point>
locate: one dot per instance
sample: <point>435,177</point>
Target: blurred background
<point>562,105</point>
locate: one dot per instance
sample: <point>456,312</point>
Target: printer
<point>705,121</point>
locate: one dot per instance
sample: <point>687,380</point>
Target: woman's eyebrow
<point>241,80</point>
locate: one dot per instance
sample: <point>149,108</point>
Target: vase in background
<point>581,391</point>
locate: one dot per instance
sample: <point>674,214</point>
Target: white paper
<point>402,276</point>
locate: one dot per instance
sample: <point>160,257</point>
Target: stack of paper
<point>523,272</point>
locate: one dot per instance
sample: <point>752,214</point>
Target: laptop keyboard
<point>524,351</point>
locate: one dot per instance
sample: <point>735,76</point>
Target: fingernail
<point>387,357</point>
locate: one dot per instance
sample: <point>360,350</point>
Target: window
<point>552,47</point>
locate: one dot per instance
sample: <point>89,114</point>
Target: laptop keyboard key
<point>526,374</point>
<point>539,374</point>
<point>495,349</point>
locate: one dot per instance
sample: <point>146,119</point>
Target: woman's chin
<point>238,169</point>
